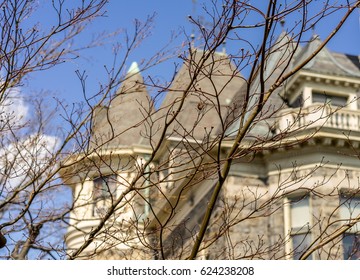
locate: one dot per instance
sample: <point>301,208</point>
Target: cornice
<point>306,76</point>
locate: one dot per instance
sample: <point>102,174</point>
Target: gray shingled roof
<point>327,62</point>
<point>121,124</point>
<point>218,81</point>
<point>277,60</point>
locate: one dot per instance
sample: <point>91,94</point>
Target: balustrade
<point>318,115</point>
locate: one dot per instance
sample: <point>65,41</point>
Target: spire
<point>122,123</point>
<point>224,47</point>
<point>134,69</point>
<point>282,24</point>
<point>314,35</point>
<point>133,81</point>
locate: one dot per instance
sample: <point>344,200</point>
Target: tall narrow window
<point>298,217</point>
<point>104,190</point>
<point>349,210</point>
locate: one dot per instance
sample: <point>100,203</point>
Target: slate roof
<point>277,60</point>
<point>121,124</point>
<point>326,62</point>
<point>217,84</point>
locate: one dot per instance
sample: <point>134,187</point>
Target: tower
<point>102,177</point>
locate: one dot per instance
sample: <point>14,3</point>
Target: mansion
<point>142,187</point>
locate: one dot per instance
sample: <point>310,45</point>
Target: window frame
<point>330,94</point>
<point>104,191</point>
<point>351,254</point>
<point>354,231</point>
<point>290,231</point>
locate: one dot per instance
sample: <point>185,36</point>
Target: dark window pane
<point>349,210</point>
<point>334,100</point>
<point>351,245</point>
<point>104,187</point>
<point>301,243</point>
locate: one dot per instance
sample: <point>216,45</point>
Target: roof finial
<point>134,68</point>
<point>192,37</point>
<point>314,35</point>
<point>282,23</point>
<point>224,47</point>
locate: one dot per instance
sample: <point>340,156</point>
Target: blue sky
<point>170,17</point>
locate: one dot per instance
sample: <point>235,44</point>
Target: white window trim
<point>349,198</point>
<point>351,231</point>
<point>287,225</point>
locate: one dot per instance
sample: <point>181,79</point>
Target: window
<point>297,220</point>
<point>333,100</point>
<point>104,187</point>
<point>351,246</point>
<point>350,209</point>
<point>104,190</point>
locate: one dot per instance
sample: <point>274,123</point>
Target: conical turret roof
<point>209,98</point>
<point>122,123</point>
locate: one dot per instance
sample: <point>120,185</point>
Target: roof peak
<point>134,68</point>
<point>133,81</point>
